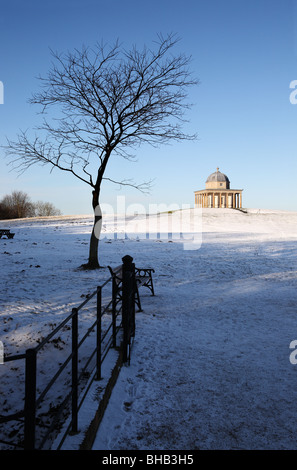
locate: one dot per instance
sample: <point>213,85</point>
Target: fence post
<point>30,399</point>
<point>98,346</point>
<point>128,304</point>
<point>115,291</point>
<point>74,389</point>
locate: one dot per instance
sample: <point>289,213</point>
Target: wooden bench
<point>143,277</point>
<point>7,233</point>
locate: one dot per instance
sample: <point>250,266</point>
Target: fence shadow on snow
<point>46,409</point>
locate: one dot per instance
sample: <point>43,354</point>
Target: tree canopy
<point>107,101</point>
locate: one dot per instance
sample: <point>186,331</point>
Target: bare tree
<point>110,101</point>
<point>16,205</point>
<point>45,209</point>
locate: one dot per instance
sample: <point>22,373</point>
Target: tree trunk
<point>93,262</point>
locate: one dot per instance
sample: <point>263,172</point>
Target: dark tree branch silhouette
<point>109,102</point>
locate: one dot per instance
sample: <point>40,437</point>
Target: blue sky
<point>243,52</point>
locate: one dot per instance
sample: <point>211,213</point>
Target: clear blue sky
<point>244,54</point>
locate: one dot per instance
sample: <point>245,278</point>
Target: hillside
<point>210,364</point>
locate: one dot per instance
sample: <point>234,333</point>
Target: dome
<point>219,177</point>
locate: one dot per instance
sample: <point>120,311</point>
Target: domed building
<point>217,193</point>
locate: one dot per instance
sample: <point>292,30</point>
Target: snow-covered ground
<point>210,365</point>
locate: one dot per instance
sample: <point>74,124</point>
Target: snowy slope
<point>210,363</point>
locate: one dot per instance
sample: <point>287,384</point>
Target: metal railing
<point>121,305</point>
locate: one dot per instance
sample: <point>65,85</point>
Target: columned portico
<point>223,199</point>
<point>218,193</point>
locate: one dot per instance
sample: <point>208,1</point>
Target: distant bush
<point>18,205</point>
<point>45,209</point>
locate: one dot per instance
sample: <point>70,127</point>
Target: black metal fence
<point>114,323</point>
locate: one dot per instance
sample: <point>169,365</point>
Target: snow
<point>210,365</point>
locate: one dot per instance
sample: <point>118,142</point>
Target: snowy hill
<point>210,364</point>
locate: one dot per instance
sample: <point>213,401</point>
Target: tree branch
<point>104,101</point>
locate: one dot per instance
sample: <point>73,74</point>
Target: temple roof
<point>217,176</point>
